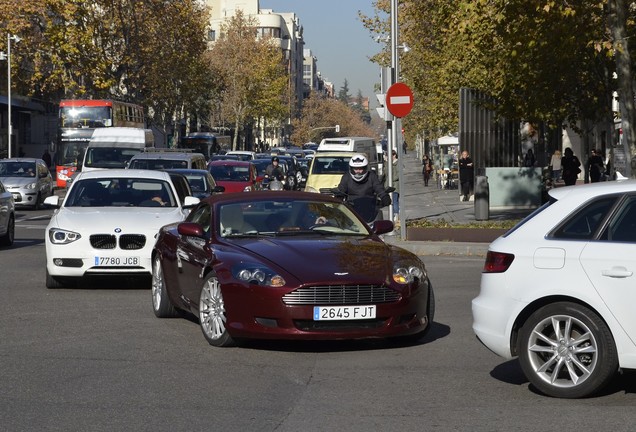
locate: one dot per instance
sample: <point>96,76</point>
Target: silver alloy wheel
<point>562,351</point>
<point>157,284</point>
<point>212,310</point>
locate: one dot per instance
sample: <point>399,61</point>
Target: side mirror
<point>52,201</point>
<point>382,227</point>
<point>190,229</point>
<point>190,202</point>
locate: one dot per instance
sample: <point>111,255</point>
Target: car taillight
<point>497,262</point>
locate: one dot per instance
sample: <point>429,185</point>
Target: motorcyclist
<point>361,182</point>
<point>274,170</point>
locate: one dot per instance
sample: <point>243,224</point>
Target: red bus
<point>78,118</point>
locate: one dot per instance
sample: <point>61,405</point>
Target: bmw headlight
<point>257,274</point>
<point>31,186</point>
<point>406,273</point>
<point>60,236</point>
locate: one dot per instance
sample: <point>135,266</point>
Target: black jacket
<point>370,186</point>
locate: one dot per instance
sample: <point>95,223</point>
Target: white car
<point>108,223</point>
<point>7,217</point>
<point>559,290</point>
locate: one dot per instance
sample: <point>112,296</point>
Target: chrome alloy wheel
<point>562,351</point>
<point>212,314</point>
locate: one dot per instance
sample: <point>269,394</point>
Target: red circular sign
<point>399,99</point>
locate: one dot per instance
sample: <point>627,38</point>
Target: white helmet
<point>358,161</point>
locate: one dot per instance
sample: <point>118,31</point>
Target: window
<point>584,222</point>
<point>622,228</point>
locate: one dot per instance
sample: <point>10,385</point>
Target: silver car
<point>28,180</point>
<point>7,217</point>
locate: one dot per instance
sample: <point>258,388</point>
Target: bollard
<point>482,198</point>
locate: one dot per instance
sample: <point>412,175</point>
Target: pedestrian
<point>555,166</point>
<point>595,166</point>
<point>427,168</point>
<point>466,174</point>
<point>570,165</point>
<point>529,159</point>
<point>46,157</point>
<point>395,176</point>
<point>404,146</point>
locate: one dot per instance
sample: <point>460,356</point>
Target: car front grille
<point>103,241</point>
<point>132,241</point>
<point>341,295</point>
<point>126,241</point>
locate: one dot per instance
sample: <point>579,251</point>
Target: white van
<point>113,147</point>
<point>364,145</point>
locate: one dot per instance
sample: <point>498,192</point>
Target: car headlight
<point>257,274</point>
<point>406,274</point>
<point>247,189</point>
<point>60,236</point>
<point>31,186</point>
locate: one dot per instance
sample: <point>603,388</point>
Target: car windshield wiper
<point>302,232</point>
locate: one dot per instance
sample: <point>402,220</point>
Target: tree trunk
<point>618,25</point>
<point>236,135</point>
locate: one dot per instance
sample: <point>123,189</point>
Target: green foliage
<point>442,223</point>
<point>542,61</point>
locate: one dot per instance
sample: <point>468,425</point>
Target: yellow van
<point>327,168</point>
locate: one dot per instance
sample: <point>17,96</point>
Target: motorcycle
<point>273,183</point>
<point>368,207</point>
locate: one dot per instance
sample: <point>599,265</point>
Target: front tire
<point>53,282</point>
<point>9,236</point>
<point>161,305</point>
<point>567,351</point>
<point>212,313</point>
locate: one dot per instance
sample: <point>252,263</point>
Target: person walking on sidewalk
<point>571,167</point>
<point>466,174</point>
<point>427,168</point>
<point>555,166</point>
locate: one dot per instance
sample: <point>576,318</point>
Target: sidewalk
<point>432,202</point>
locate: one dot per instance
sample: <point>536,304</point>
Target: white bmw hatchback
<point>108,223</point>
<point>559,290</point>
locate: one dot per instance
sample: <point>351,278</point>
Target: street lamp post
<point>7,56</point>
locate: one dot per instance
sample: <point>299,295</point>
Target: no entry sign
<point>399,99</point>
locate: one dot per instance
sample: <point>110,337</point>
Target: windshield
<point>288,218</point>
<point>17,169</point>
<point>120,192</point>
<point>109,157</point>
<point>85,117</point>
<point>330,165</point>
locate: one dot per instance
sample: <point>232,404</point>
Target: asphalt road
<point>96,359</point>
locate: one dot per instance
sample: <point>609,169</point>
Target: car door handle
<point>617,272</point>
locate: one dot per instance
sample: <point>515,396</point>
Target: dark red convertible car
<point>288,265</point>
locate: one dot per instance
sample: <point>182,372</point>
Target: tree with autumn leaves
<point>251,72</point>
<point>548,61</point>
<point>150,52</point>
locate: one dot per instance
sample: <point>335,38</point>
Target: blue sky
<point>336,37</point>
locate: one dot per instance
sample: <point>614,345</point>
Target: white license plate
<point>116,261</point>
<point>331,313</point>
